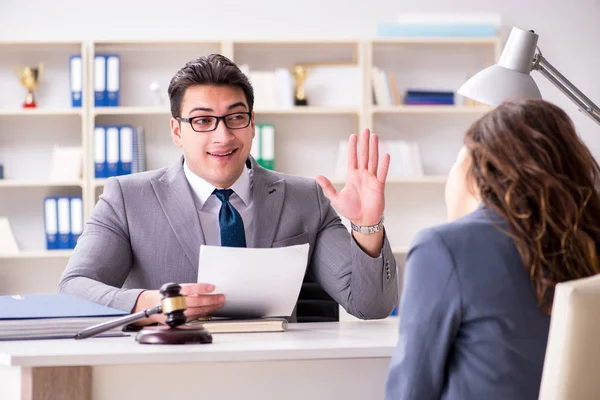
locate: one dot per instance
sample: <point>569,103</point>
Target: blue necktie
<point>230,221</point>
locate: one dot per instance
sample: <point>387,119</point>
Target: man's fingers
<point>196,288</point>
<point>352,155</point>
<point>364,149</point>
<point>202,311</point>
<point>384,167</point>
<point>327,186</point>
<point>373,154</point>
<point>204,300</point>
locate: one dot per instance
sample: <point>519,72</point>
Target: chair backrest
<point>315,305</point>
<point>573,353</point>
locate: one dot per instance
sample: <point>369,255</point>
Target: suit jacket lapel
<point>268,196</point>
<point>175,197</point>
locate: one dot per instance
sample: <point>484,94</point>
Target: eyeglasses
<point>208,123</point>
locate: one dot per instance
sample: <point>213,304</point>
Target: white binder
<point>99,81</point>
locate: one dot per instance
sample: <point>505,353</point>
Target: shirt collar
<point>204,190</point>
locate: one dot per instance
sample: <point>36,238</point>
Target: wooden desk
<point>336,360</point>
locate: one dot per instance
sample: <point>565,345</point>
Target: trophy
<point>299,72</point>
<point>30,77</point>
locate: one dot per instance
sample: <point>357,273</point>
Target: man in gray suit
<point>147,228</point>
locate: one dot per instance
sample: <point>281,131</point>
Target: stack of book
<point>443,25</point>
<point>429,97</point>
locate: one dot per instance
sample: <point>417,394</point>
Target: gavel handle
<point>105,326</point>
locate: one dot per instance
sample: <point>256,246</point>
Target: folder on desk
<point>53,315</point>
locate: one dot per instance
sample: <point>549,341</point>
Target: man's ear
<point>176,132</point>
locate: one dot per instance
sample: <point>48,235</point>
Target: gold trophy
<point>300,72</point>
<point>30,77</point>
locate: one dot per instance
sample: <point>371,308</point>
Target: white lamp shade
<point>496,84</point>
<point>509,79</point>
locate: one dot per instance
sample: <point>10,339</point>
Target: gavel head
<point>173,304</point>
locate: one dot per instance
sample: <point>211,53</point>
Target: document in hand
<point>256,282</point>
<point>51,316</point>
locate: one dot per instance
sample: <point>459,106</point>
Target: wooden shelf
<point>41,111</point>
<point>156,42</point>
<point>99,182</point>
<point>437,40</point>
<point>308,110</point>
<point>296,42</point>
<point>38,43</point>
<point>24,183</point>
<point>41,254</point>
<point>275,111</point>
<point>132,111</point>
<point>431,179</point>
<point>441,109</point>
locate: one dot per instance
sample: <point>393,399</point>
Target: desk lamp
<point>174,332</point>
<point>510,78</point>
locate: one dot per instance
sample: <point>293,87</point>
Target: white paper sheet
<point>261,282</point>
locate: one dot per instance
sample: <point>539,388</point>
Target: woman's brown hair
<point>531,167</point>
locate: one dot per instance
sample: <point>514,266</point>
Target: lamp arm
<point>583,102</point>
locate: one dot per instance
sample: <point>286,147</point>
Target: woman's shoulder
<point>482,226</point>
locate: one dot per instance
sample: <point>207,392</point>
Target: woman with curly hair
<point>524,214</point>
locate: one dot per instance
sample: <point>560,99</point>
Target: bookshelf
<point>32,255</point>
<point>302,132</point>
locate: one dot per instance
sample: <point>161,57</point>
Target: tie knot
<point>223,194</point>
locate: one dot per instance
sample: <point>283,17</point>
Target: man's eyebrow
<point>208,109</point>
<point>201,109</point>
<point>238,104</point>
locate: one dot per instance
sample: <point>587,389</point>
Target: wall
<point>569,30</point>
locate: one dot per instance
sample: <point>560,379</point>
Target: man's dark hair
<point>214,69</point>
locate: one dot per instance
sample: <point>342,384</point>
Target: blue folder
<point>54,305</point>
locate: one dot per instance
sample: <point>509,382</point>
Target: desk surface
<point>331,340</point>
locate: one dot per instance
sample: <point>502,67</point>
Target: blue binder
<point>52,305</point>
<point>52,316</point>
<point>112,150</point>
<point>76,219</point>
<point>76,80</point>
<point>113,80</point>
<point>64,222</point>
<point>125,149</point>
<point>51,222</point>
<point>100,81</point>
<point>100,168</point>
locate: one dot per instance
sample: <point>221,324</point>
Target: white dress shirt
<point>208,205</point>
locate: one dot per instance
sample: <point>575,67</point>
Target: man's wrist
<point>367,229</point>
